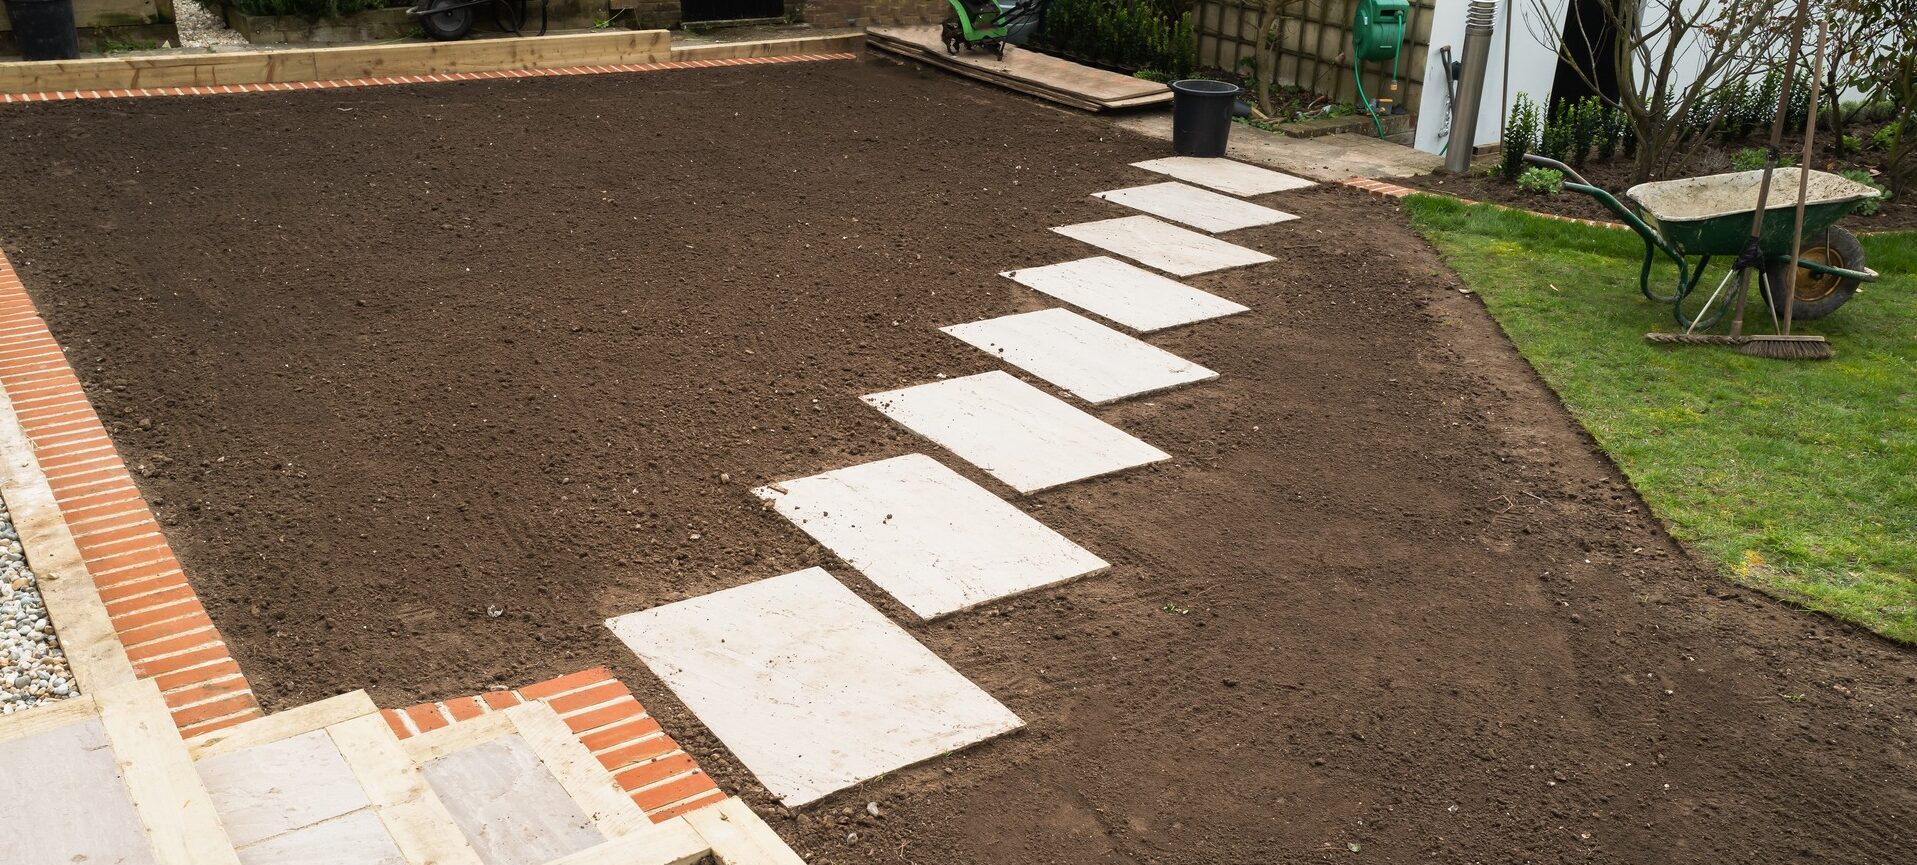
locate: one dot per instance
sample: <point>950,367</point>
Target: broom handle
<point>1770,164</point>
<point>1803,175</point>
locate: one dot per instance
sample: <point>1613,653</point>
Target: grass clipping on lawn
<point>1799,479</point>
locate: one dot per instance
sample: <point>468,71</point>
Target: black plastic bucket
<point>1201,116</point>
<point>43,29</point>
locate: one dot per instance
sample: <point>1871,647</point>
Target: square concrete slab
<point>512,808</point>
<point>274,788</point>
<point>1199,208</point>
<point>1017,433</point>
<point>927,536</point>
<point>1224,175</point>
<point>70,803</point>
<point>1167,247</point>
<point>358,838</point>
<point>1080,355</point>
<point>811,687</point>
<point>1125,293</point>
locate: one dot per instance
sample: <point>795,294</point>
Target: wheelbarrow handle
<point>1548,162</point>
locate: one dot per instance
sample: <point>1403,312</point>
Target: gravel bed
<point>201,27</point>
<point>33,669</point>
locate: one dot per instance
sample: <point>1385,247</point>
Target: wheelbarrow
<point>1711,216</point>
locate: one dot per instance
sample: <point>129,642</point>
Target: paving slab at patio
<point>1017,433</point>
<point>1178,251</point>
<point>927,536</point>
<point>1225,175</point>
<point>1091,360</point>
<point>1199,208</point>
<point>1125,293</point>
<point>812,688</point>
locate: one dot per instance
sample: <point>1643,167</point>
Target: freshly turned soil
<point>1895,214</point>
<point>386,358</point>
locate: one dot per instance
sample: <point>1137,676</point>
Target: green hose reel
<point>1378,30</point>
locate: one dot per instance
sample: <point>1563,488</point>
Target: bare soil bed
<point>385,359</point>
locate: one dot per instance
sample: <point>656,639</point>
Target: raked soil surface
<point>387,358</point>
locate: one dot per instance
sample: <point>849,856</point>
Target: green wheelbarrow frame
<point>1718,234</point>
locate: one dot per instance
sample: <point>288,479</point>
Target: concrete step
<point>110,780</point>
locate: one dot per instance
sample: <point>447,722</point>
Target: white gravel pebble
<point>33,670</point>
<point>201,27</point>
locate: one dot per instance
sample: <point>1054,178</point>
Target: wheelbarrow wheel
<point>448,25</point>
<point>1817,294</point>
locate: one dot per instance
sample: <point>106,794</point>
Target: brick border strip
<point>1393,190</point>
<point>153,610</point>
<point>662,779</point>
<point>340,83</point>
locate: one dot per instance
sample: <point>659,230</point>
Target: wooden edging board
<point>563,50</point>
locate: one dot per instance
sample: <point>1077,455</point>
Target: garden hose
<point>1377,28</point>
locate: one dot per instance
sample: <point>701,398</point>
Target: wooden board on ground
<point>1030,72</point>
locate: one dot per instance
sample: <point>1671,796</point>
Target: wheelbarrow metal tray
<point>1711,215</point>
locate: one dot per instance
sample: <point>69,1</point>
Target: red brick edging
<point>155,613</point>
<point>1392,190</point>
<point>663,780</point>
<point>222,89</point>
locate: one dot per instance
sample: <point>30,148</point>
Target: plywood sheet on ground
<point>1030,72</point>
<point>812,688</point>
<point>927,536</point>
<point>1125,293</point>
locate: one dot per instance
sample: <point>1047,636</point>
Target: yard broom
<point>1782,345</point>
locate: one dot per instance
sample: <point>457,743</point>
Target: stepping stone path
<point>1089,359</point>
<point>1198,208</point>
<point>1225,175</point>
<point>1017,433</point>
<point>927,536</point>
<point>1175,250</point>
<point>812,688</point>
<point>1130,295</point>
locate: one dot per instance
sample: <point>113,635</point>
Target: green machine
<point>1378,30</point>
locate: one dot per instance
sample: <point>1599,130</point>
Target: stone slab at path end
<point>1125,293</point>
<point>1178,251</point>
<point>927,536</point>
<point>1095,362</point>
<point>1199,208</point>
<point>1225,175</point>
<point>812,688</point>
<point>1017,433</point>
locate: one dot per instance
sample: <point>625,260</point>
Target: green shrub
<point>1866,208</point>
<point>1537,178</point>
<point>1849,144</point>
<point>1520,136</point>
<point>1612,127</point>
<point>1584,117</point>
<point>1128,34</point>
<point>1753,158</point>
<point>1886,137</point>
<point>1556,140</point>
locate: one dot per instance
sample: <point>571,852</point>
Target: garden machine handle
<point>1653,242</point>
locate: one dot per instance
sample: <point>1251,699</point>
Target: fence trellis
<point>1315,49</point>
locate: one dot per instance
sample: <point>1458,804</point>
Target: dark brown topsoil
<point>1895,214</point>
<point>385,358</point>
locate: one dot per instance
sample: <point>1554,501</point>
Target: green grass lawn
<point>1799,478</point>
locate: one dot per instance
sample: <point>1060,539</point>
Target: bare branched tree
<point>1673,58</point>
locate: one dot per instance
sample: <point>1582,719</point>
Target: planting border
<point>1393,190</point>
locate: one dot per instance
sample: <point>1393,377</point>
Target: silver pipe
<point>1479,23</point>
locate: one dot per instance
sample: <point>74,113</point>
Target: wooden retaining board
<point>1029,72</point>
<point>328,64</point>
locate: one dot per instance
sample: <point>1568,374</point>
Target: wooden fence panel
<point>1314,46</point>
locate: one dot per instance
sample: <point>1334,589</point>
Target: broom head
<point>1787,347</point>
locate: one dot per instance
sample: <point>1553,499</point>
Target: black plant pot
<point>44,29</point>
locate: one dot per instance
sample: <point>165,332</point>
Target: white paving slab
<point>1080,355</point>
<point>358,838</point>
<point>512,808</point>
<point>69,802</point>
<point>1017,433</point>
<point>274,788</point>
<point>811,687</point>
<point>1167,247</point>
<point>927,536</point>
<point>1224,175</point>
<point>1199,208</point>
<point>1125,293</point>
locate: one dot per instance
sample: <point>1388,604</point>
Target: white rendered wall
<point>1534,64</point>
